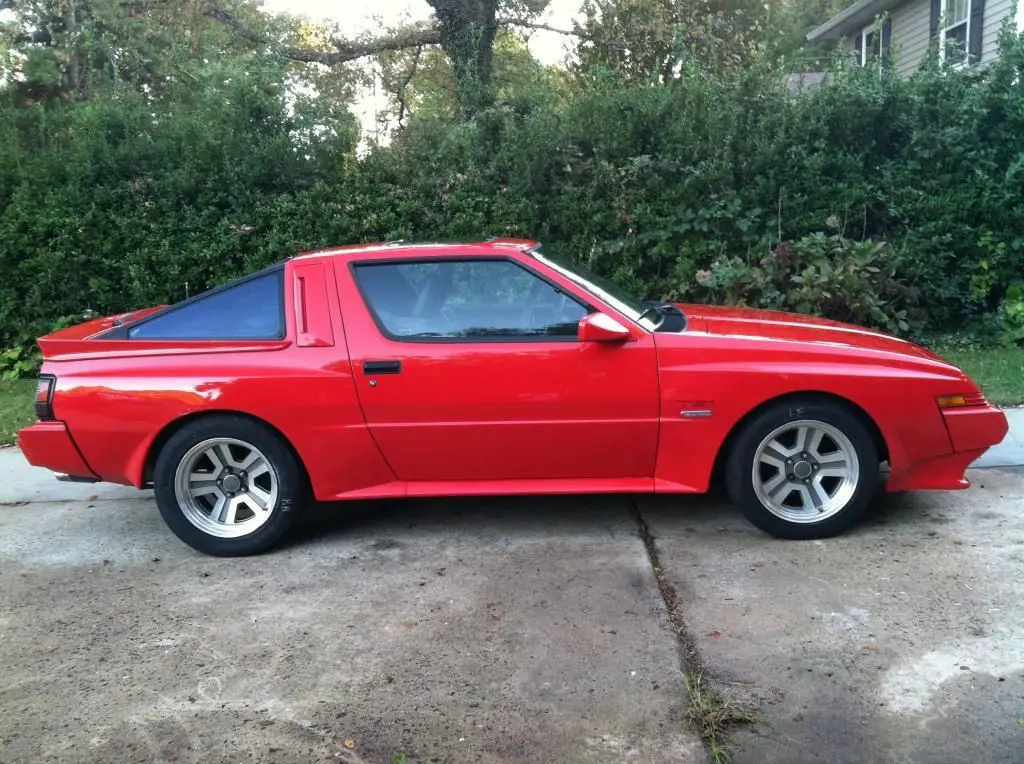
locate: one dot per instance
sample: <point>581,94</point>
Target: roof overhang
<point>851,19</point>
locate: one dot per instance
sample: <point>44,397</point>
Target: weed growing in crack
<point>710,714</point>
<point>713,716</point>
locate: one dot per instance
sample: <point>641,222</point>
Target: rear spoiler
<point>72,340</point>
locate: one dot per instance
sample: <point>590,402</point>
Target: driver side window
<point>469,300</point>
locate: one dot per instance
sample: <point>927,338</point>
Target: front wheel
<point>803,469</point>
<point>228,486</point>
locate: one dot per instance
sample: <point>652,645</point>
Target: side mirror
<point>599,327</point>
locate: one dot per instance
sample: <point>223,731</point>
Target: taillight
<point>960,400</point>
<point>44,396</point>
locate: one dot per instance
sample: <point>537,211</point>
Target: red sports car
<point>493,368</point>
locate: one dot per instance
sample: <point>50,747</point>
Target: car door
<point>469,368</point>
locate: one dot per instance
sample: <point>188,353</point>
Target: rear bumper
<point>49,445</point>
<point>972,431</point>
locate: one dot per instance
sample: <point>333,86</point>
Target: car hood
<point>797,327</point>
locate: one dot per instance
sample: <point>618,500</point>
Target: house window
<point>869,46</point>
<point>955,25</point>
<point>870,43</point>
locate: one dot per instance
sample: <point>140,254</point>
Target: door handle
<point>382,367</point>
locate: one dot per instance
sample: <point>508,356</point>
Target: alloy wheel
<point>226,487</point>
<point>805,471</point>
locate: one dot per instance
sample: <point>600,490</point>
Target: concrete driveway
<point>508,630</point>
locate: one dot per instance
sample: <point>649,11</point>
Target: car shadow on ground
<point>714,513</point>
<point>568,515</point>
<point>505,515</point>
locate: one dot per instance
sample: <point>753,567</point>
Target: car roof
<point>426,249</point>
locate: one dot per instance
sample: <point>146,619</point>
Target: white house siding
<point>911,29</point>
<point>995,12</point>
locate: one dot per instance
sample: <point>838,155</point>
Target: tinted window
<point>466,299</point>
<point>250,310</point>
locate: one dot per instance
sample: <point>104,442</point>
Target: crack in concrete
<point>689,657</point>
<point>710,713</point>
<point>686,646</point>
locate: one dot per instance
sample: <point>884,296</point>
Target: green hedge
<point>690,190</point>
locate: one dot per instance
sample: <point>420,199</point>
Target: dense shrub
<point>820,275</point>
<point>892,202</point>
<point>654,184</point>
<point>120,201</point>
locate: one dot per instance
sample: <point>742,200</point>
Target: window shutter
<point>886,41</point>
<point>936,15</point>
<point>858,46</point>
<point>976,28</point>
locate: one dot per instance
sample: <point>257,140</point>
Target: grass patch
<point>999,372</point>
<point>15,408</point>
<point>713,716</point>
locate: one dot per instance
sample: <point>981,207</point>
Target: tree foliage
<point>422,82</point>
<point>644,41</point>
<point>133,186</point>
<point>655,40</point>
<point>72,49</point>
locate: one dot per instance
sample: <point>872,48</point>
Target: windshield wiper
<point>654,307</point>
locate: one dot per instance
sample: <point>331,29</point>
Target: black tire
<point>292,491</point>
<point>740,482</point>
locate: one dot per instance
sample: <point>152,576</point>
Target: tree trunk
<point>76,70</point>
<point>467,29</point>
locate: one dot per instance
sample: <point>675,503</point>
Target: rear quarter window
<point>252,309</point>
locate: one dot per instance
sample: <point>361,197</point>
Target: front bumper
<point>977,427</point>
<point>972,431</point>
<point>49,445</point>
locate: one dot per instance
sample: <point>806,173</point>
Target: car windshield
<point>628,304</point>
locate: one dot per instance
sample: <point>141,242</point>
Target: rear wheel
<point>803,469</point>
<point>227,485</point>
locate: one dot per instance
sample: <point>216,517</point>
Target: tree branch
<point>527,24</point>
<point>344,51</point>
<point>402,106</point>
<point>340,51</point>
<point>336,50</point>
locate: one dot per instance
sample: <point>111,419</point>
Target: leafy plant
<point>821,275</point>
<point>1012,311</point>
<point>17,362</point>
<point>24,358</point>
